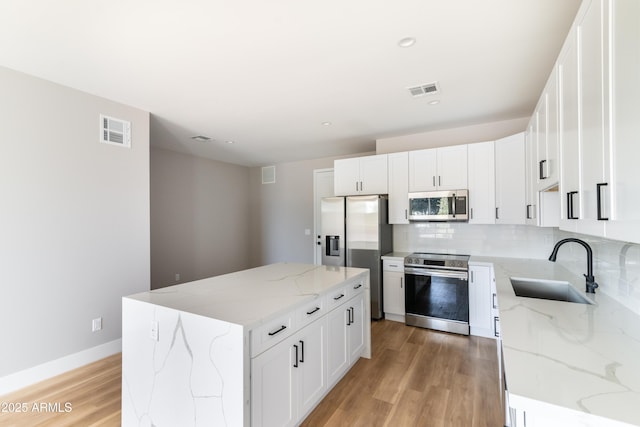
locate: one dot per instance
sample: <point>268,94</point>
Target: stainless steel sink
<point>547,289</point>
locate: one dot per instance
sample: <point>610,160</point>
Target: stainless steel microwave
<point>439,206</point>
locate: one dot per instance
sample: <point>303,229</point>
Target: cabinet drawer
<point>355,288</point>
<point>311,311</point>
<point>337,297</point>
<point>393,265</point>
<point>272,333</point>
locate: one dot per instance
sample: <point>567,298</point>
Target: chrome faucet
<point>591,282</point>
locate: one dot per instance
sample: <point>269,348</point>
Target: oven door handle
<point>463,275</point>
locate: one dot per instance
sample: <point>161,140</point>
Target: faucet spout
<point>591,284</point>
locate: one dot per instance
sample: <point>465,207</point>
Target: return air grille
<point>427,89</point>
<point>115,131</point>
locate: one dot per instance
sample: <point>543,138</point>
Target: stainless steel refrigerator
<point>355,232</point>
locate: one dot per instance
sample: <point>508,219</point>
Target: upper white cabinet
<point>547,158</point>
<point>510,180</point>
<point>443,168</point>
<point>624,183</point>
<point>398,188</point>
<point>482,187</point>
<point>599,98</point>
<point>530,183</point>
<point>360,175</point>
<point>568,104</point>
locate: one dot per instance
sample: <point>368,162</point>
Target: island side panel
<point>366,352</point>
<point>194,374</point>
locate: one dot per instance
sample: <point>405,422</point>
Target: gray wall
<point>199,218</point>
<point>74,220</point>
<point>281,212</point>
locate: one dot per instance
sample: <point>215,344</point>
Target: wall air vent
<point>269,175</point>
<point>427,89</point>
<point>115,131</point>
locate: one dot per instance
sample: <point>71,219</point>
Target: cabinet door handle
<point>282,328</point>
<point>439,180</point>
<point>405,214</point>
<point>401,280</point>
<point>348,317</point>
<point>313,311</point>
<point>494,301</point>
<point>472,276</point>
<point>570,205</point>
<point>496,320</point>
<point>358,286</point>
<point>497,213</point>
<point>301,351</point>
<point>295,364</point>
<point>599,201</point>
<point>338,297</point>
<point>352,315</point>
<point>471,213</point>
<point>542,164</point>
<point>434,180</point>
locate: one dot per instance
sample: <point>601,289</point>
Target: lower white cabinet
<point>393,289</point>
<point>288,379</point>
<point>481,314</point>
<point>345,337</point>
<point>291,377</point>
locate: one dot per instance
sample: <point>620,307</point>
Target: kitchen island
<point>566,364</point>
<point>255,347</point>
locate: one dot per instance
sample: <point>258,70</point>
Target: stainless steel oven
<point>437,292</point>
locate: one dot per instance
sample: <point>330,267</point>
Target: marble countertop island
<point>571,360</point>
<point>250,297</point>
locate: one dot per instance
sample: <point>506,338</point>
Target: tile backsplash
<point>616,264</point>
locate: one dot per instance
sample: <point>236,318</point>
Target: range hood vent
<point>426,89</point>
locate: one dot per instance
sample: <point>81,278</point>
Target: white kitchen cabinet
<point>355,328</point>
<point>398,188</point>
<point>393,289</point>
<point>482,183</point>
<point>624,185</point>
<point>361,175</point>
<point>510,180</point>
<point>443,168</point>
<point>289,378</point>
<point>594,153</point>
<point>480,301</point>
<point>568,104</point>
<point>345,332</point>
<point>545,137</point>
<point>530,150</point>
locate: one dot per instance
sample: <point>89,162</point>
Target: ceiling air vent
<point>115,131</point>
<point>428,89</point>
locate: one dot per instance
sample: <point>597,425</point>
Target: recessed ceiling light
<point>326,123</point>
<point>201,138</point>
<point>407,42</point>
<point>229,142</point>
<point>434,102</point>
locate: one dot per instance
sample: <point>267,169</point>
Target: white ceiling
<point>267,74</point>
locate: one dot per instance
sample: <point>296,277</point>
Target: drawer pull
<point>313,311</point>
<point>282,328</point>
<point>358,286</point>
<point>338,297</point>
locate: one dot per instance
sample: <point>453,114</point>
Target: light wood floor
<point>416,377</point>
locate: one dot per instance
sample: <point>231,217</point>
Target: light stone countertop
<point>395,255</point>
<point>582,357</point>
<point>253,296</point>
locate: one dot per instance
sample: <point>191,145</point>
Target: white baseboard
<point>47,370</point>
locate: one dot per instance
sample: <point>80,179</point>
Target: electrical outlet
<point>96,324</point>
<point>155,330</point>
<point>177,276</point>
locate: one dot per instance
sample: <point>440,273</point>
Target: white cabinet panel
<point>568,103</point>
<point>393,289</point>
<point>482,187</point>
<point>443,168</point>
<point>480,301</point>
<point>337,351</point>
<point>361,175</point>
<point>273,392</point>
<point>423,172</point>
<point>398,188</point>
<point>510,180</point>
<point>312,365</point>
